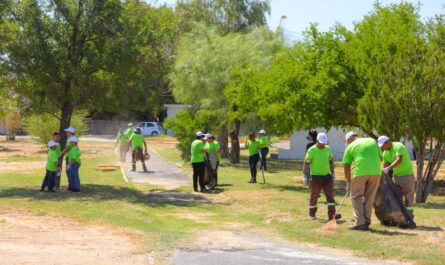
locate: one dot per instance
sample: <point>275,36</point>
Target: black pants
<point>49,180</point>
<point>198,175</point>
<point>253,162</point>
<point>264,151</point>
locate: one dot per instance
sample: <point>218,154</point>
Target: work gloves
<point>348,187</point>
<point>386,170</point>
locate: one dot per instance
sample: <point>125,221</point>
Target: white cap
<point>349,135</point>
<point>73,139</point>
<point>207,136</point>
<point>382,140</point>
<point>52,143</point>
<point>70,129</point>
<point>322,138</point>
<point>130,124</point>
<point>199,134</point>
<point>263,131</point>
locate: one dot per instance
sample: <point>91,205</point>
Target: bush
<point>186,124</point>
<point>43,126</point>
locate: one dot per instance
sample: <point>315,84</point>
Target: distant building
<point>337,143</point>
<point>172,109</point>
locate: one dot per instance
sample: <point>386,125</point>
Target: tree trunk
<point>65,121</point>
<point>234,141</point>
<point>223,136</point>
<point>425,179</point>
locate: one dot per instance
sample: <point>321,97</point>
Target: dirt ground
<point>30,239</point>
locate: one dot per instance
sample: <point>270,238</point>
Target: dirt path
<point>30,239</point>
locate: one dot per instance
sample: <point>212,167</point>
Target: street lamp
<point>283,17</point>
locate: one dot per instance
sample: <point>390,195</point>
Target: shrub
<point>42,126</point>
<point>186,124</point>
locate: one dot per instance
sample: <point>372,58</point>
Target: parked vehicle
<point>150,128</point>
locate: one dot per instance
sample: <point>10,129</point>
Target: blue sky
<point>326,13</point>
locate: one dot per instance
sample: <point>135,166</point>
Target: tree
<point>66,55</point>
<point>228,16</point>
<point>204,64</point>
<point>314,84</point>
<point>402,60</point>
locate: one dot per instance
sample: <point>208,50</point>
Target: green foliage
<point>42,126</point>
<point>312,85</point>
<point>186,124</point>
<point>205,61</point>
<point>227,16</point>
<point>97,55</point>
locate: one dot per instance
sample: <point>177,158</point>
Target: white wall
<point>336,139</point>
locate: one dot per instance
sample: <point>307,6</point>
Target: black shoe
<point>312,218</point>
<point>42,190</point>
<point>337,217</point>
<point>359,227</point>
<point>252,181</point>
<point>204,190</point>
<point>195,190</point>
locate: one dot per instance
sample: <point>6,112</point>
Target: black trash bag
<point>389,207</point>
<point>210,174</point>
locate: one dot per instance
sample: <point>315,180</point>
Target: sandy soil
<point>30,239</point>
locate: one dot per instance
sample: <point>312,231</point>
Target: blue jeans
<point>73,177</point>
<point>253,162</point>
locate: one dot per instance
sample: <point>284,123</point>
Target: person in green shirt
<point>56,138</point>
<point>70,132</point>
<point>74,162</point>
<point>319,163</point>
<point>264,148</point>
<point>51,167</point>
<point>364,181</point>
<point>139,147</point>
<point>130,130</point>
<point>122,141</point>
<point>253,145</point>
<point>197,151</point>
<point>212,149</point>
<point>396,158</point>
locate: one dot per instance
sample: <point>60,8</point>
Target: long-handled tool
<point>262,171</point>
<point>333,222</point>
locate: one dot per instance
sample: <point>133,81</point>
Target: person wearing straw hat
<point>396,158</point>
<point>264,148</point>
<point>319,163</point>
<point>364,181</point>
<point>197,151</point>
<point>75,162</point>
<point>52,165</point>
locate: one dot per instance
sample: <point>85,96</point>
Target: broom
<point>333,223</point>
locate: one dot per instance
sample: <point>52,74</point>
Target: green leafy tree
<point>314,84</point>
<point>228,16</point>
<point>403,63</point>
<point>186,124</point>
<point>68,55</point>
<point>203,68</point>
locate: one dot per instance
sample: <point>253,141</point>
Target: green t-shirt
<point>253,147</point>
<point>68,147</point>
<point>137,141</point>
<point>75,154</point>
<point>264,141</point>
<point>128,132</point>
<point>123,139</point>
<point>366,156</point>
<point>319,159</point>
<point>53,159</point>
<point>398,149</point>
<point>197,147</point>
<point>212,147</point>
<point>58,150</point>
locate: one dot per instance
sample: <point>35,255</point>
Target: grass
<point>278,208</point>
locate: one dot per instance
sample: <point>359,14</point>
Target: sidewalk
<point>159,173</point>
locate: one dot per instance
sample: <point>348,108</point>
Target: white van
<point>150,128</point>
